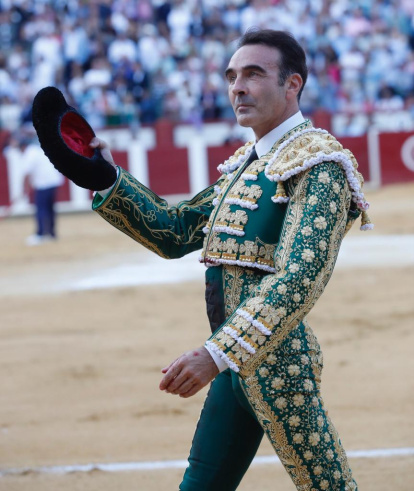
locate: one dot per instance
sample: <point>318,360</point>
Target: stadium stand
<point>128,63</point>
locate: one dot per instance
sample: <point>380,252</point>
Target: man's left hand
<point>189,373</point>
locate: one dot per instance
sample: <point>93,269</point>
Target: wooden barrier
<point>182,166</point>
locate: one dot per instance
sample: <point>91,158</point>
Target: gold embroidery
<point>297,258</point>
<point>248,248</point>
<point>238,219</point>
<point>256,167</point>
<point>291,230</point>
<point>246,193</point>
<point>229,257</point>
<point>121,222</point>
<point>237,188</point>
<point>277,435</point>
<point>136,211</point>
<point>234,282</point>
<point>293,415</point>
<point>306,147</point>
<point>230,246</point>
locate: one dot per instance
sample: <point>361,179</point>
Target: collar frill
<point>299,152</point>
<point>236,160</point>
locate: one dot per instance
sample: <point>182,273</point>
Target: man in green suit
<point>270,231</point>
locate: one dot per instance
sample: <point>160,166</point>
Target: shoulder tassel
<point>280,196</point>
<point>365,221</point>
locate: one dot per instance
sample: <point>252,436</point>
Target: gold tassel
<point>366,223</point>
<point>280,191</point>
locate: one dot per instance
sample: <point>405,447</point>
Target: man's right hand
<point>104,148</point>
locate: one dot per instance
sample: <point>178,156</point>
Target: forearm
<point>138,212</point>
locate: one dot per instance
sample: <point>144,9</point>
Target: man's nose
<point>239,87</point>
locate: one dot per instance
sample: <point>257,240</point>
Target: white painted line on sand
<point>367,251</point>
<point>182,464</point>
<point>144,268</point>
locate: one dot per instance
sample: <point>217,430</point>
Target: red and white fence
<point>178,162</point>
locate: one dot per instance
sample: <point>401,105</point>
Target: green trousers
<point>226,439</point>
<point>282,399</point>
<point>280,402</point>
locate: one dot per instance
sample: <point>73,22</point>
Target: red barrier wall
<point>121,158</point>
<point>216,156</point>
<point>168,170</point>
<point>359,147</point>
<point>63,193</point>
<point>397,157</point>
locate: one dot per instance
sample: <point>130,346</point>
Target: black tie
<point>253,156</point>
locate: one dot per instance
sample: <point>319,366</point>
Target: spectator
<point>44,180</point>
<point>99,75</point>
<point>75,43</point>
<point>179,21</point>
<point>152,49</point>
<point>356,24</point>
<point>122,48</point>
<point>7,87</point>
<point>389,100</point>
<point>175,50</point>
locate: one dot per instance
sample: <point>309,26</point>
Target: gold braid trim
<point>121,222</point>
<point>277,434</point>
<point>291,232</point>
<point>310,147</point>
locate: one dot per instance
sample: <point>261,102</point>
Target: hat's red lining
<point>77,134</point>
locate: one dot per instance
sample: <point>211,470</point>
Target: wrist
<point>220,364</point>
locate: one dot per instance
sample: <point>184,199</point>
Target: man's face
<point>257,98</point>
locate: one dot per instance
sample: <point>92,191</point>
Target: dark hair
<point>292,55</point>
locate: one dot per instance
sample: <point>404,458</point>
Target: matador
<point>269,231</point>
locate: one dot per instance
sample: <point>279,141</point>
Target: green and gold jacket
<point>270,229</point>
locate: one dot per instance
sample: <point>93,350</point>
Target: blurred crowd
<point>129,62</point>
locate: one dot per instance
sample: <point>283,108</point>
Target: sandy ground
<point>79,370</point>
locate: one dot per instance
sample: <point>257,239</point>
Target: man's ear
<point>294,84</point>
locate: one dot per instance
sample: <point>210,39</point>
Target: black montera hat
<point>64,136</point>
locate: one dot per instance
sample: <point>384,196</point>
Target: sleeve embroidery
<point>169,231</point>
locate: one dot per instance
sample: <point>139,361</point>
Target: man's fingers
<point>97,142</point>
<point>165,369</point>
<point>186,385</point>
<point>171,374</point>
<point>94,142</point>
<point>192,391</point>
<point>177,381</point>
<point>104,148</point>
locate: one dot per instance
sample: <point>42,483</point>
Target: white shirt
<point>38,167</point>
<point>265,143</point>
